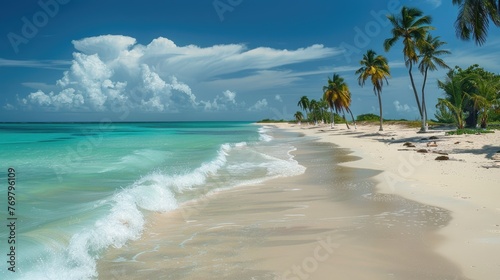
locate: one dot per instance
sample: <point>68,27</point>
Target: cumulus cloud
<point>277,97</point>
<point>230,96</point>
<point>114,71</point>
<point>259,105</point>
<point>222,102</point>
<point>108,47</point>
<point>402,107</point>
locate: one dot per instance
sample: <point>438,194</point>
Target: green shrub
<point>367,117</point>
<point>469,131</point>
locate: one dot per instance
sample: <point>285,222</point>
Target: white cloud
<point>434,3</point>
<point>65,99</point>
<point>402,107</point>
<point>230,96</point>
<point>259,105</point>
<point>277,97</point>
<point>9,107</point>
<point>222,103</point>
<point>113,71</point>
<point>44,64</point>
<point>108,47</point>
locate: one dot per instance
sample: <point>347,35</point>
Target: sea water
<point>82,188</point>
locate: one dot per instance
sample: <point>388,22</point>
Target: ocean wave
<point>125,221</point>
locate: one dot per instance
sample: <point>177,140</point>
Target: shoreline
<point>327,221</point>
<point>466,184</point>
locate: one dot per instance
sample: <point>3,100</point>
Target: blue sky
<point>72,60</point>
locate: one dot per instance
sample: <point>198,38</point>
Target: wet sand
<point>329,223</point>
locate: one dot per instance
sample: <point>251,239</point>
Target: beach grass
<point>469,131</point>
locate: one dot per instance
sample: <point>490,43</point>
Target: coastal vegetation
<point>471,97</point>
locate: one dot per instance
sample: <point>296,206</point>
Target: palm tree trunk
<point>424,109</point>
<point>352,116</point>
<point>333,118</point>
<point>380,107</point>
<point>343,116</point>
<point>414,88</point>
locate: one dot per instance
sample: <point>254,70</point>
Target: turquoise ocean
<point>82,188</point>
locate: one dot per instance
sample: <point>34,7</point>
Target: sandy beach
<point>467,185</point>
<point>385,212</point>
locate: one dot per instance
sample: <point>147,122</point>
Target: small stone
<point>422,151</point>
<point>443,158</point>
<point>409,144</point>
<point>433,138</point>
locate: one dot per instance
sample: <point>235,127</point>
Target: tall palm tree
<point>298,116</point>
<point>455,99</point>
<point>474,17</point>
<point>375,67</point>
<point>304,104</point>
<point>429,60</point>
<point>338,96</point>
<point>412,28</point>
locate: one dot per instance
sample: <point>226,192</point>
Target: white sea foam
<point>262,134</point>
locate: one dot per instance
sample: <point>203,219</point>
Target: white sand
<point>468,184</point>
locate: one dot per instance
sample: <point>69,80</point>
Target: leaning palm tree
<point>474,17</point>
<point>338,96</point>
<point>298,117</point>
<point>375,67</point>
<point>412,28</point>
<point>429,60</point>
<point>304,104</point>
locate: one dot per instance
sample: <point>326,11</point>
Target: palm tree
<point>474,17</point>
<point>298,116</point>
<point>314,110</point>
<point>323,110</point>
<point>338,96</point>
<point>487,97</point>
<point>304,104</point>
<point>429,55</point>
<point>455,99</point>
<point>375,67</point>
<point>412,28</point>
